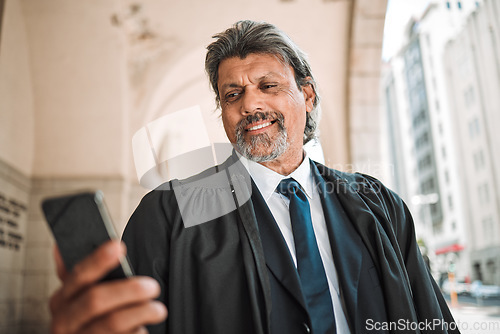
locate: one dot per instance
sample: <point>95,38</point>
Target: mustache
<point>256,147</point>
<point>261,116</point>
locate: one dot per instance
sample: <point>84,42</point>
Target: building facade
<point>435,192</point>
<point>472,67</point>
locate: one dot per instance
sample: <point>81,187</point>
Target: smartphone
<point>80,223</point>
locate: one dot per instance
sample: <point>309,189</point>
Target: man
<point>312,250</point>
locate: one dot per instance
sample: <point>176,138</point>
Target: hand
<point>85,305</point>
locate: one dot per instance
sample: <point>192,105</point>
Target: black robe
<point>213,275</point>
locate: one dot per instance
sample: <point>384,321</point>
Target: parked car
<point>479,290</point>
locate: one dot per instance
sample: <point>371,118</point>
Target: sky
<point>398,14</point>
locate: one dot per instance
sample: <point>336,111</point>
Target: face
<point>263,110</point>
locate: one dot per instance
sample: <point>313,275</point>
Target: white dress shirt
<point>267,180</point>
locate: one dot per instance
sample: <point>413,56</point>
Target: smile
<point>260,126</point>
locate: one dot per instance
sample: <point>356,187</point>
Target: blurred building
<point>79,78</point>
<point>423,143</point>
<point>472,69</point>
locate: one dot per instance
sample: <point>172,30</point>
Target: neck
<point>286,163</point>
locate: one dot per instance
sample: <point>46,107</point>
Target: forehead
<point>253,67</point>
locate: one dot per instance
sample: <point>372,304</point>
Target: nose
<point>252,101</point>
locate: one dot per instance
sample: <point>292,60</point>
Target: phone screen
<point>80,223</point>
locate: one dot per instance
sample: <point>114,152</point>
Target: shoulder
<point>196,199</point>
<point>358,191</point>
<point>356,182</point>
<point>153,214</point>
<point>164,195</point>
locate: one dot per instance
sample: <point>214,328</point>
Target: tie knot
<point>288,187</point>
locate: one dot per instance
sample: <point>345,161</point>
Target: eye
<point>269,85</point>
<point>231,96</point>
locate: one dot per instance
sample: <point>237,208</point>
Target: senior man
<point>312,250</point>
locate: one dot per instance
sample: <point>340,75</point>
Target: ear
<point>309,94</point>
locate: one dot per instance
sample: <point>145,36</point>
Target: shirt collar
<point>267,180</point>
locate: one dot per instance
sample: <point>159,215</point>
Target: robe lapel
<point>278,258</point>
<point>365,205</point>
<point>345,243</point>
<point>252,251</point>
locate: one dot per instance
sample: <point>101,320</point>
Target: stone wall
<point>14,201</point>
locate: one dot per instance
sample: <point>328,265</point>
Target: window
<point>448,5</point>
<point>488,229</point>
<point>491,267</point>
<point>459,4</point>
<point>486,193</point>
<point>476,126</point>
<point>450,202</point>
<point>419,119</point>
<point>434,209</point>
<point>428,186</point>
<point>481,158</point>
<point>425,162</point>
<point>483,193</point>
<point>422,140</point>
<point>431,184</point>
<point>478,273</point>
<point>474,129</point>
<point>469,96</point>
<point>478,158</point>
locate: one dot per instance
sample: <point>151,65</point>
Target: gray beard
<point>250,149</point>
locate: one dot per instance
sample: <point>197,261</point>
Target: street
<point>476,316</point>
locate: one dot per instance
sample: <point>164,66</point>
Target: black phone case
<point>78,226</point>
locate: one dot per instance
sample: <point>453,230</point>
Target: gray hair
<point>249,37</point>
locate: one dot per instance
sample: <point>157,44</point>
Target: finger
<point>93,268</point>
<point>60,267</point>
<point>55,301</point>
<point>63,274</point>
<point>129,319</point>
<point>78,279</point>
<point>96,330</point>
<point>107,297</point>
<point>140,330</point>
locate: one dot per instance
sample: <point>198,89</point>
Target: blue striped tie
<point>309,264</point>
